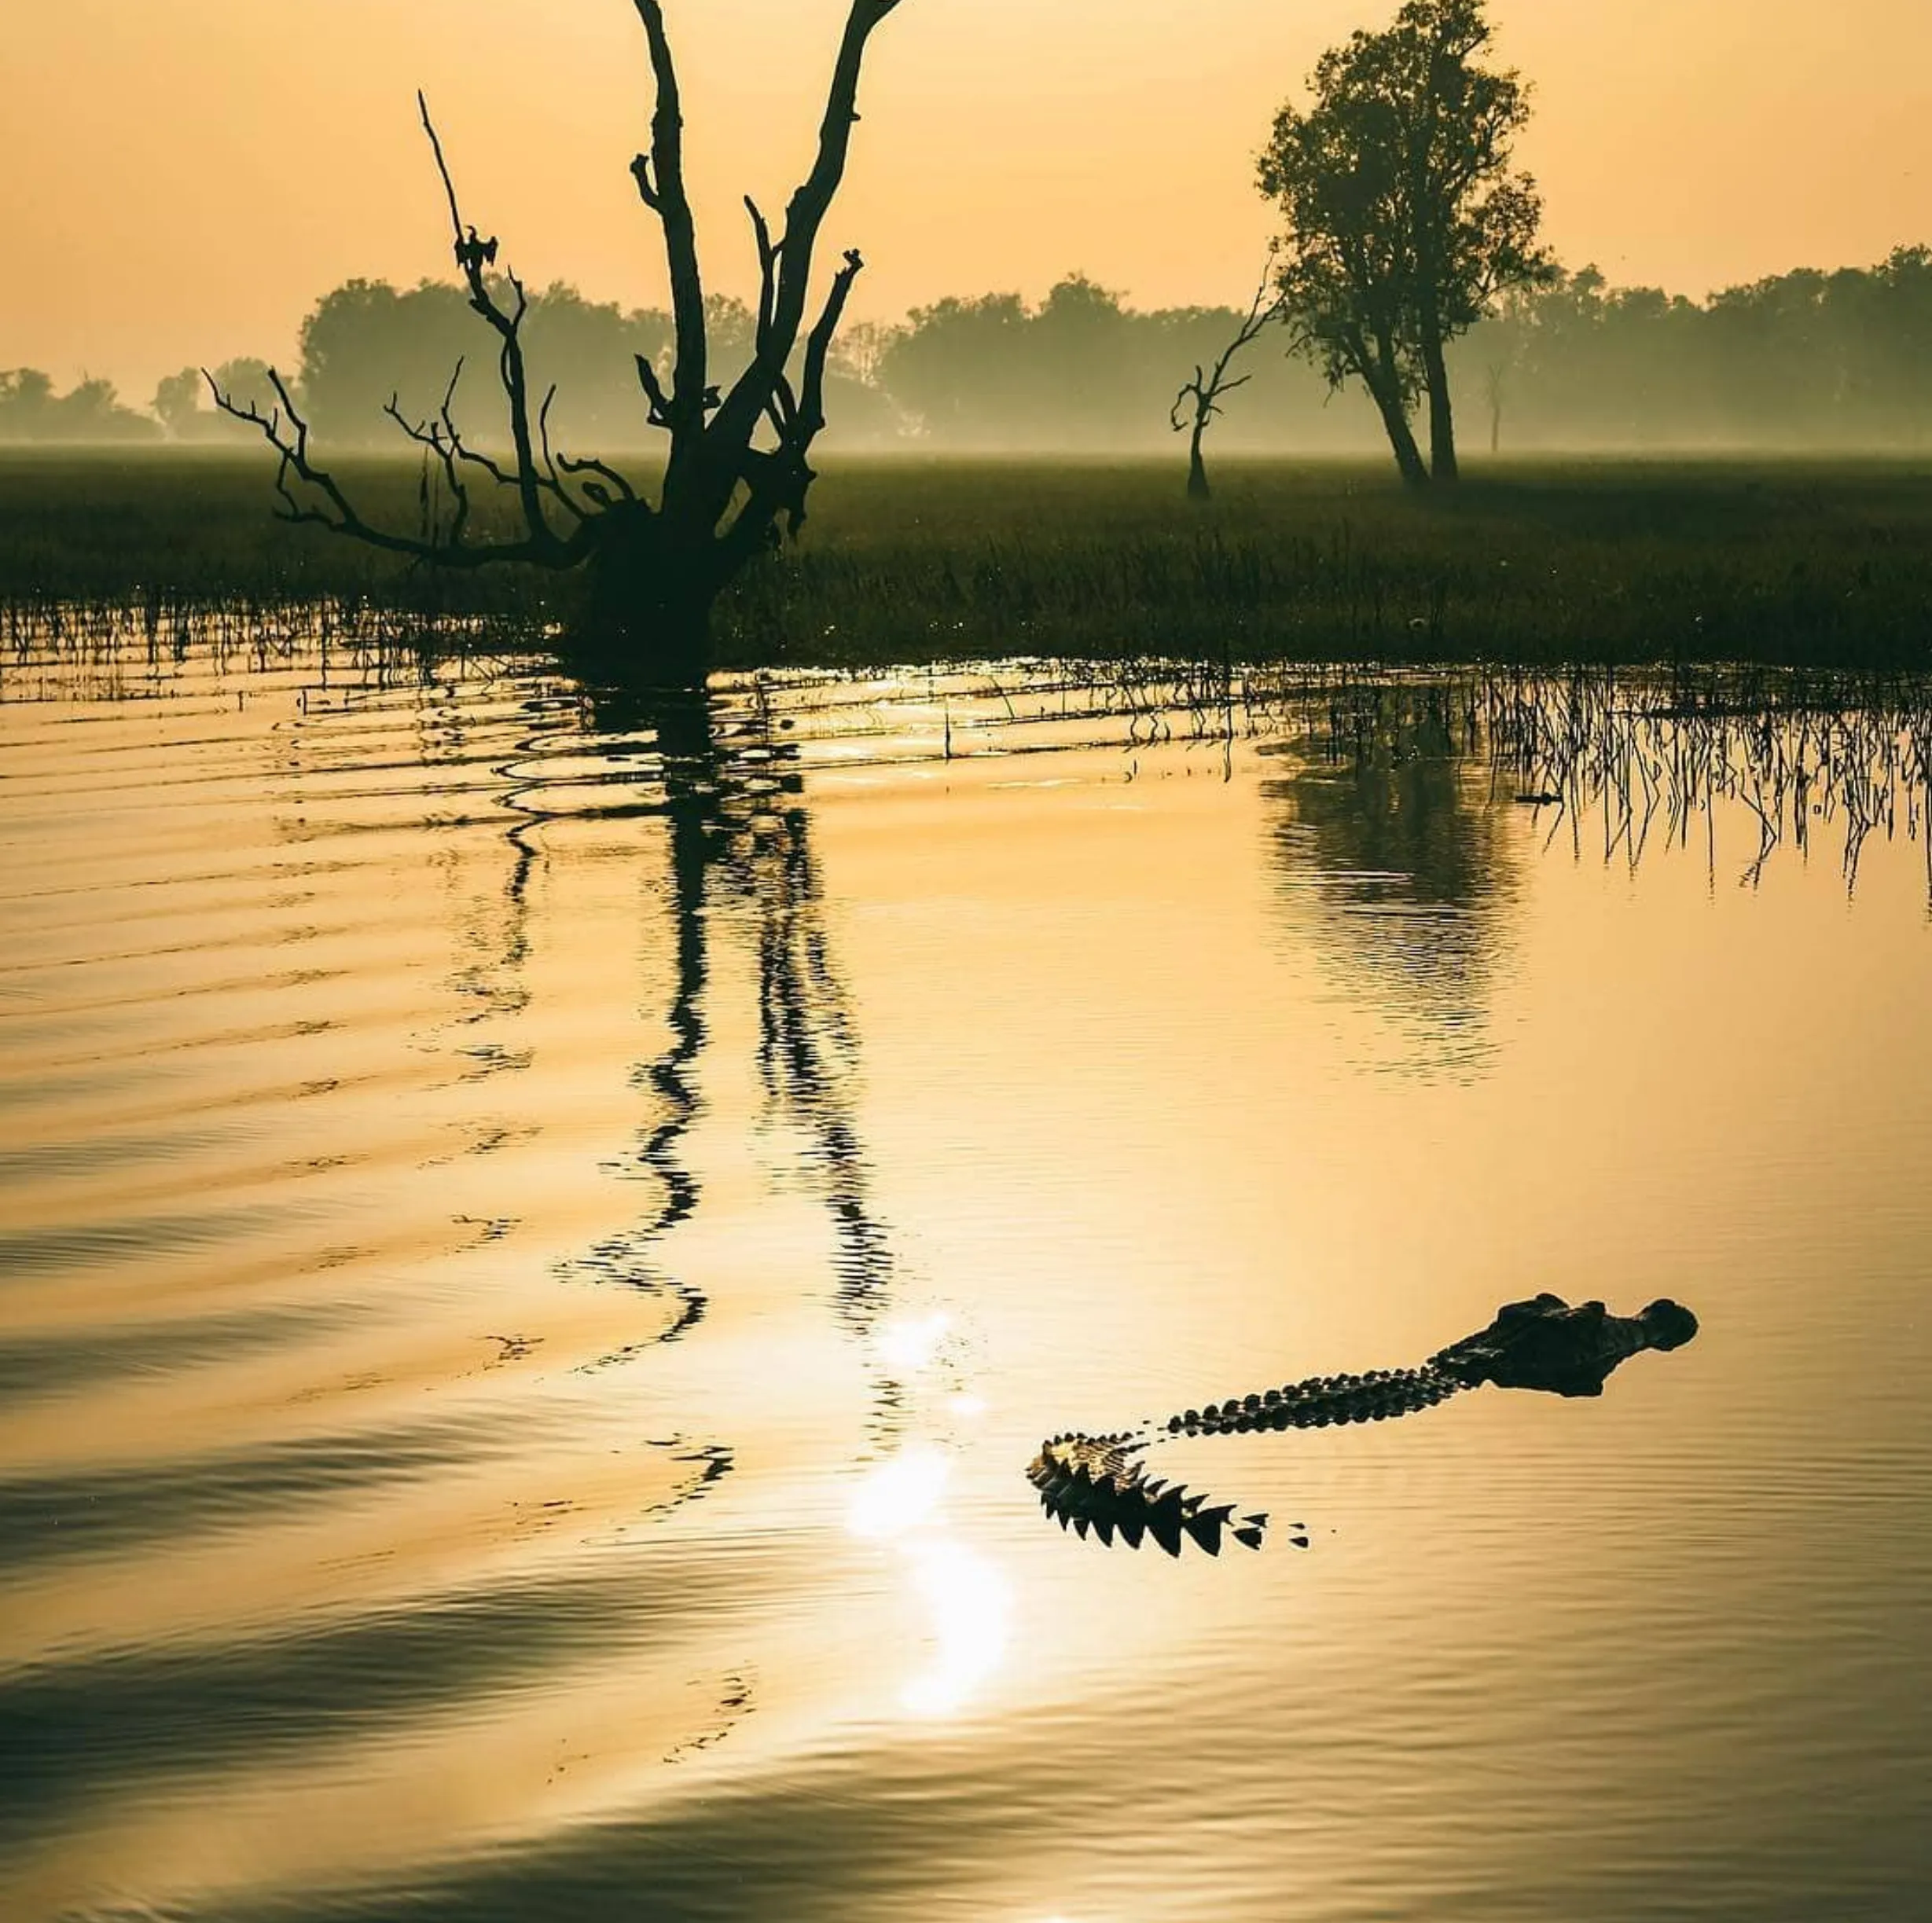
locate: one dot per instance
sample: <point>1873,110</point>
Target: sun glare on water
<point>967,1603</point>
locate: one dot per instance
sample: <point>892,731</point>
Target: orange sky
<point>186,177</point>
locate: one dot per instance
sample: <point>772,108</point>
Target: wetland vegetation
<point>595,1061</point>
<point>909,560</point>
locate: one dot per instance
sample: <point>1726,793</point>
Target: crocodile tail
<point>1323,1401</point>
<point>1094,1484</point>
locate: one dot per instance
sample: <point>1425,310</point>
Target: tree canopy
<point>90,410</point>
<point>1403,217</point>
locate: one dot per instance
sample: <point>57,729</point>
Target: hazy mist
<point>1839,362</point>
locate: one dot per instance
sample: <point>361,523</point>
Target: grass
<point>1613,562</point>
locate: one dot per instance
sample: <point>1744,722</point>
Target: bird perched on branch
<point>472,254</point>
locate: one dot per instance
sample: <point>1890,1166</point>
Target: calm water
<point>536,1247</point>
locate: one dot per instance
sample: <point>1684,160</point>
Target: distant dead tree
<point>655,569</point>
<point>1496,390</point>
<point>1199,401</point>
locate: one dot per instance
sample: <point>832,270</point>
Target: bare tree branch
<point>777,479</point>
<point>660,178</point>
<point>472,255</point>
<point>555,481</point>
<point>767,274</point>
<point>589,464</point>
<point>440,439</point>
<point>811,412</point>
<point>285,430</point>
<point>735,419</point>
<point>1207,389</point>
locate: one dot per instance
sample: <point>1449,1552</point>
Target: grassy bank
<point>1600,561</point>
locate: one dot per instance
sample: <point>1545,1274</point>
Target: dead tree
<point>1495,390</point>
<point>737,461</point>
<point>1205,391</point>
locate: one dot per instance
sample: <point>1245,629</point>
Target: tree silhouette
<point>1205,389</point>
<point>1404,218</point>
<point>90,410</point>
<point>655,568</point>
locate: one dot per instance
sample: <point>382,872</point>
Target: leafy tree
<point>26,397</point>
<point>177,402</point>
<point>30,410</point>
<point>1405,219</point>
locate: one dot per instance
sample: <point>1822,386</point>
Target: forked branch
<point>777,479</point>
<point>323,504</point>
<point>657,567</point>
<point>536,472</point>
<point>1199,399</point>
<point>787,263</point>
<point>1205,389</point>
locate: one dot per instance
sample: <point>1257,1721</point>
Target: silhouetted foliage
<point>1404,218</point>
<point>30,410</point>
<point>1081,371</point>
<point>1838,361</point>
<point>178,399</point>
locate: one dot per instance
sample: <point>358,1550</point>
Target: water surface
<point>537,1238</point>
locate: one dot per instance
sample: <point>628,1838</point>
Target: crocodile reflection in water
<point>1099,1484</point>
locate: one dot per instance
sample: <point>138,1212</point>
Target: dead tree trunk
<point>737,472</point>
<point>1198,489</point>
<point>1205,391</point>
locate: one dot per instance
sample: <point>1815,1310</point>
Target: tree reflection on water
<point>1391,835</point>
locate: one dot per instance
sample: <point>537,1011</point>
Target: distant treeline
<point>1839,361</point>
<point>30,410</point>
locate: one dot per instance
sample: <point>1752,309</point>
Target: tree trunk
<point>1374,358</point>
<point>645,620</point>
<point>1388,400</point>
<point>1198,489</point>
<point>1495,427</point>
<point>1442,417</point>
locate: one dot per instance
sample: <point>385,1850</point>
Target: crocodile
<point>1099,1483</point>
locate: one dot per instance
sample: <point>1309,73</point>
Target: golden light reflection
<point>900,1496</point>
<point>908,1345</point>
<point>967,1602</point>
<point>970,1606</point>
